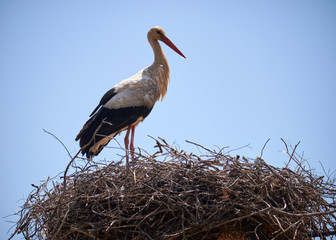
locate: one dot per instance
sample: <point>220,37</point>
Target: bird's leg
<point>132,142</point>
<point>126,140</point>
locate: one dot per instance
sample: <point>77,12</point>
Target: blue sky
<point>254,70</point>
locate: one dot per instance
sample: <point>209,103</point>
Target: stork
<point>129,102</point>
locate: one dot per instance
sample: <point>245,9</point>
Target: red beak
<point>171,45</point>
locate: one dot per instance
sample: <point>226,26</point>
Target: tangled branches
<point>175,195</point>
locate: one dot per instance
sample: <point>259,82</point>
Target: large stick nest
<point>176,195</point>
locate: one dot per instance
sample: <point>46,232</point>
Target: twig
<point>86,145</point>
<point>58,141</point>
<point>262,150</point>
<point>291,155</point>
<point>199,145</point>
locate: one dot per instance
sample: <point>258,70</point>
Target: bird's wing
<point>139,80</point>
<point>105,124</point>
<point>119,111</point>
<point>134,98</point>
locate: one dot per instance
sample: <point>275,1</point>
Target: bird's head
<point>157,33</point>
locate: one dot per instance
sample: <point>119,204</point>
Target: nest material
<point>175,195</point>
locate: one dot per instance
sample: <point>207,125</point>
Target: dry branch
<point>182,196</point>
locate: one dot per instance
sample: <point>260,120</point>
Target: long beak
<point>171,45</point>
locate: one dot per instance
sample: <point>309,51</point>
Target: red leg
<point>132,142</point>
<point>126,140</point>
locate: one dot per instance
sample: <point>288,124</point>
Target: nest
<point>176,195</point>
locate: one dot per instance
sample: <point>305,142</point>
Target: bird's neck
<point>160,68</point>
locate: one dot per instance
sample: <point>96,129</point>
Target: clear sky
<point>254,70</point>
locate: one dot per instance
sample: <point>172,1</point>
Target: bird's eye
<point>159,32</point>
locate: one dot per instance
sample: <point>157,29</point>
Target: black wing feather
<point>107,96</point>
<point>116,119</point>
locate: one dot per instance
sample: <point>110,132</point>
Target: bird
<point>129,102</point>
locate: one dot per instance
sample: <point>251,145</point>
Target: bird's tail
<point>89,136</point>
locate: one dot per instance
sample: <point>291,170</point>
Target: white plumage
<point>138,90</point>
